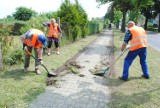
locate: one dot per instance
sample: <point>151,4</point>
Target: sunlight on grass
<point>137,92</point>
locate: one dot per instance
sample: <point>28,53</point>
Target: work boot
<point>144,77</point>
<point>38,71</point>
<point>57,53</point>
<point>121,78</point>
<point>49,54</point>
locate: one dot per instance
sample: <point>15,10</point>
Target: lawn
<point>18,89</point>
<point>137,92</point>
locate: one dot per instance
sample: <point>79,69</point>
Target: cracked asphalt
<point>88,91</point>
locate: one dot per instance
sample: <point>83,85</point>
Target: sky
<point>8,7</point>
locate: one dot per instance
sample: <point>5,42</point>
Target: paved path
<point>153,40</point>
<point>73,91</point>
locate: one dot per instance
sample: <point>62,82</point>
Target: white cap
<point>28,34</point>
<point>131,22</point>
<point>53,20</point>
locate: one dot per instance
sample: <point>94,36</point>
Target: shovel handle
<point>28,52</point>
<point>119,56</point>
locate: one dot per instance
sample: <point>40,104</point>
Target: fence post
<point>59,37</point>
<point>58,21</point>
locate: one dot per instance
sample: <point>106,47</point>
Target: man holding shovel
<point>36,39</point>
<point>138,40</point>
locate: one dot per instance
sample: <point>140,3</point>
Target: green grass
<point>137,92</point>
<point>152,29</point>
<point>18,89</point>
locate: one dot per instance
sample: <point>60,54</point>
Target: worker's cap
<point>53,20</point>
<point>29,34</point>
<point>131,22</point>
<point>42,39</point>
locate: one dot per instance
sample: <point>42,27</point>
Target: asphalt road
<point>154,40</point>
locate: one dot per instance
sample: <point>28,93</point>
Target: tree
<point>83,19</point>
<point>75,17</point>
<point>117,17</point>
<point>157,10</point>
<point>126,5</point>
<point>110,12</point>
<point>23,13</point>
<point>9,17</point>
<point>123,5</point>
<point>141,4</point>
<point>49,15</point>
<point>148,13</point>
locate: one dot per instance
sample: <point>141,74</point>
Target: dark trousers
<point>27,58</point>
<point>142,53</point>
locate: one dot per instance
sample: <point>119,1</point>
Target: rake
<point>103,71</point>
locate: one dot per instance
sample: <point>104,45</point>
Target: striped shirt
<point>128,37</point>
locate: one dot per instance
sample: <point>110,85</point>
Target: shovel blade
<point>51,74</point>
<point>103,71</point>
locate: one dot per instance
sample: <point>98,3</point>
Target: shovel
<point>103,71</point>
<point>49,74</point>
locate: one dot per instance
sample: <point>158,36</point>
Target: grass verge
<point>18,89</point>
<point>137,92</point>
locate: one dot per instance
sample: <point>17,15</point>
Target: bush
<point>95,26</point>
<point>35,23</point>
<point>75,17</point>
<point>84,32</point>
<point>16,28</point>
<point>12,26</point>
<point>76,32</point>
<point>14,57</point>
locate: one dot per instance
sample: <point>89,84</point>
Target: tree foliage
<point>126,5</point>
<point>23,13</point>
<point>49,15</point>
<point>35,23</point>
<point>157,10</point>
<point>148,13</point>
<point>75,17</point>
<point>110,13</point>
<point>117,17</point>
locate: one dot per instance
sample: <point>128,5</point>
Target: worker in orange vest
<point>36,39</point>
<point>53,32</point>
<point>138,41</point>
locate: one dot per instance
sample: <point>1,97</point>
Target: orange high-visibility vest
<point>33,42</point>
<point>53,30</point>
<point>139,38</point>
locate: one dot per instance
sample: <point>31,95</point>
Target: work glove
<point>128,46</point>
<point>40,61</point>
<point>24,46</point>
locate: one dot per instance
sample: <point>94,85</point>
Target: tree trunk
<point>117,25</point>
<point>159,24</point>
<point>123,26</point>
<point>145,25</point>
<point>59,37</point>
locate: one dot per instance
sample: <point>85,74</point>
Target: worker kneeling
<point>36,39</point>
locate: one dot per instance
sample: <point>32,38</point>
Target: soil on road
<point>83,89</point>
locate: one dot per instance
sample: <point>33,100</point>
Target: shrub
<point>75,17</point>
<point>16,28</point>
<point>35,23</point>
